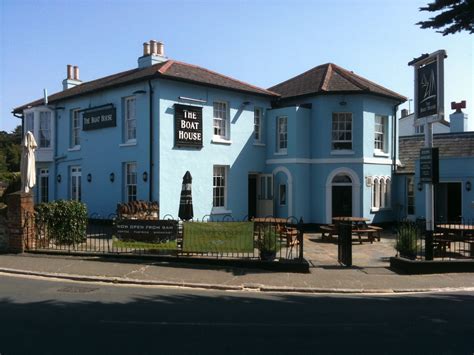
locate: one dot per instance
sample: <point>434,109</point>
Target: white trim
<point>74,149</point>
<point>259,144</point>
<point>365,160</point>
<point>289,192</point>
<point>355,192</point>
<point>217,140</point>
<point>130,144</point>
<point>220,210</point>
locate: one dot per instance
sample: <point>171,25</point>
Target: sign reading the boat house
<point>187,126</point>
<point>97,119</point>
<point>427,87</point>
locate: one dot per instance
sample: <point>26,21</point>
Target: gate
<point>344,244</point>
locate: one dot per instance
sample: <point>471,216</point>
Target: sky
<point>256,41</point>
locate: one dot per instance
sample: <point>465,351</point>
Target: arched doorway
<point>341,195</point>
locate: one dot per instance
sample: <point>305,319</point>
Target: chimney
<point>153,53</point>
<point>458,119</point>
<point>72,77</point>
<point>404,112</point>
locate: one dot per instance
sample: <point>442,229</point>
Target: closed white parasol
<point>28,166</point>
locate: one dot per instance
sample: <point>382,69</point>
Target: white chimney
<point>153,53</point>
<point>458,119</point>
<point>72,77</point>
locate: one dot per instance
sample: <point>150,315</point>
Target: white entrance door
<point>265,195</point>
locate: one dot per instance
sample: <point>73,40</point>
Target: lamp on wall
<point>89,177</point>
<point>58,178</point>
<point>112,177</point>
<point>468,186</point>
<point>145,176</point>
<point>420,186</point>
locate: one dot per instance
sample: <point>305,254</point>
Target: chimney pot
<point>69,71</point>
<point>153,47</point>
<point>160,49</point>
<point>404,112</point>
<point>76,72</point>
<point>146,48</point>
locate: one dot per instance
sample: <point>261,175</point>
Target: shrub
<point>407,240</point>
<point>65,221</point>
<point>14,184</point>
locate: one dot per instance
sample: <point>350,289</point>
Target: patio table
<point>456,232</point>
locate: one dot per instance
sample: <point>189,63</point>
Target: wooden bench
<point>378,231</point>
<point>361,232</point>
<point>327,232</point>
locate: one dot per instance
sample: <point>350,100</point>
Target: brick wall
<point>20,226</point>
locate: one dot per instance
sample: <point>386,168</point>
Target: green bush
<point>14,184</point>
<point>65,221</point>
<point>407,240</point>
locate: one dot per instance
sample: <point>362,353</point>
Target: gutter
<point>394,138</point>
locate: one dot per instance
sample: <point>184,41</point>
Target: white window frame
<point>281,201</point>
<point>76,129</point>
<point>130,120</point>
<point>381,193</point>
<point>220,125</point>
<point>220,185</point>
<point>282,135</point>
<point>339,131</point>
<point>130,180</point>
<point>29,122</point>
<point>43,185</point>
<point>45,129</point>
<point>76,177</point>
<point>258,125</point>
<point>380,134</point>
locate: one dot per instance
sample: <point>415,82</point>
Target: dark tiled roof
<point>170,69</point>
<point>330,78</point>
<point>449,144</point>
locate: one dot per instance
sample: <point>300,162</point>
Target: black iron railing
<point>261,239</point>
<point>443,241</point>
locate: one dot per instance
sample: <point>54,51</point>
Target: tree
<point>456,16</point>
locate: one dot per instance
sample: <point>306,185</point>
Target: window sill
<point>342,152</point>
<point>220,210</point>
<point>74,149</point>
<point>381,154</point>
<point>258,144</point>
<point>218,140</point>
<point>281,153</point>
<point>128,144</point>
<point>373,209</point>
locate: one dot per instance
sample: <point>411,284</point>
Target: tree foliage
<point>10,150</point>
<point>455,16</point>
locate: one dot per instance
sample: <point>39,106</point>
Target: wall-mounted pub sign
<point>100,118</point>
<point>429,165</point>
<point>187,126</point>
<point>427,87</point>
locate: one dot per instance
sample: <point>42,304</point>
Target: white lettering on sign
<point>189,125</point>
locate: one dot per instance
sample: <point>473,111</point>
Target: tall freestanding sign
<point>429,108</point>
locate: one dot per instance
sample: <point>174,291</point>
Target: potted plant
<point>268,245</point>
<point>407,240</point>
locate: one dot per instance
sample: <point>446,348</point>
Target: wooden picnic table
<point>454,232</point>
<point>359,228</point>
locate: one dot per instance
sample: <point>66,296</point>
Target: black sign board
<point>429,165</point>
<point>97,119</point>
<point>427,88</point>
<point>187,126</point>
<point>160,231</point>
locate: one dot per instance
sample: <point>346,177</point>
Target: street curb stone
<point>222,287</point>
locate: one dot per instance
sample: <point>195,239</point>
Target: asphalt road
<point>57,317</point>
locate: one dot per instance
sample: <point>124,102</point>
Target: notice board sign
<point>97,119</point>
<point>147,231</point>
<point>429,165</point>
<point>187,126</point>
<point>427,87</point>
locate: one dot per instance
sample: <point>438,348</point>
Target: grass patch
<point>218,237</point>
<point>171,245</point>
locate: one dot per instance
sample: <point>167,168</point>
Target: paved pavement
<point>370,275</point>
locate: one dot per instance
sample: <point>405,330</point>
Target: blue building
<point>318,145</point>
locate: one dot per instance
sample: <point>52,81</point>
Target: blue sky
<point>260,42</point>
